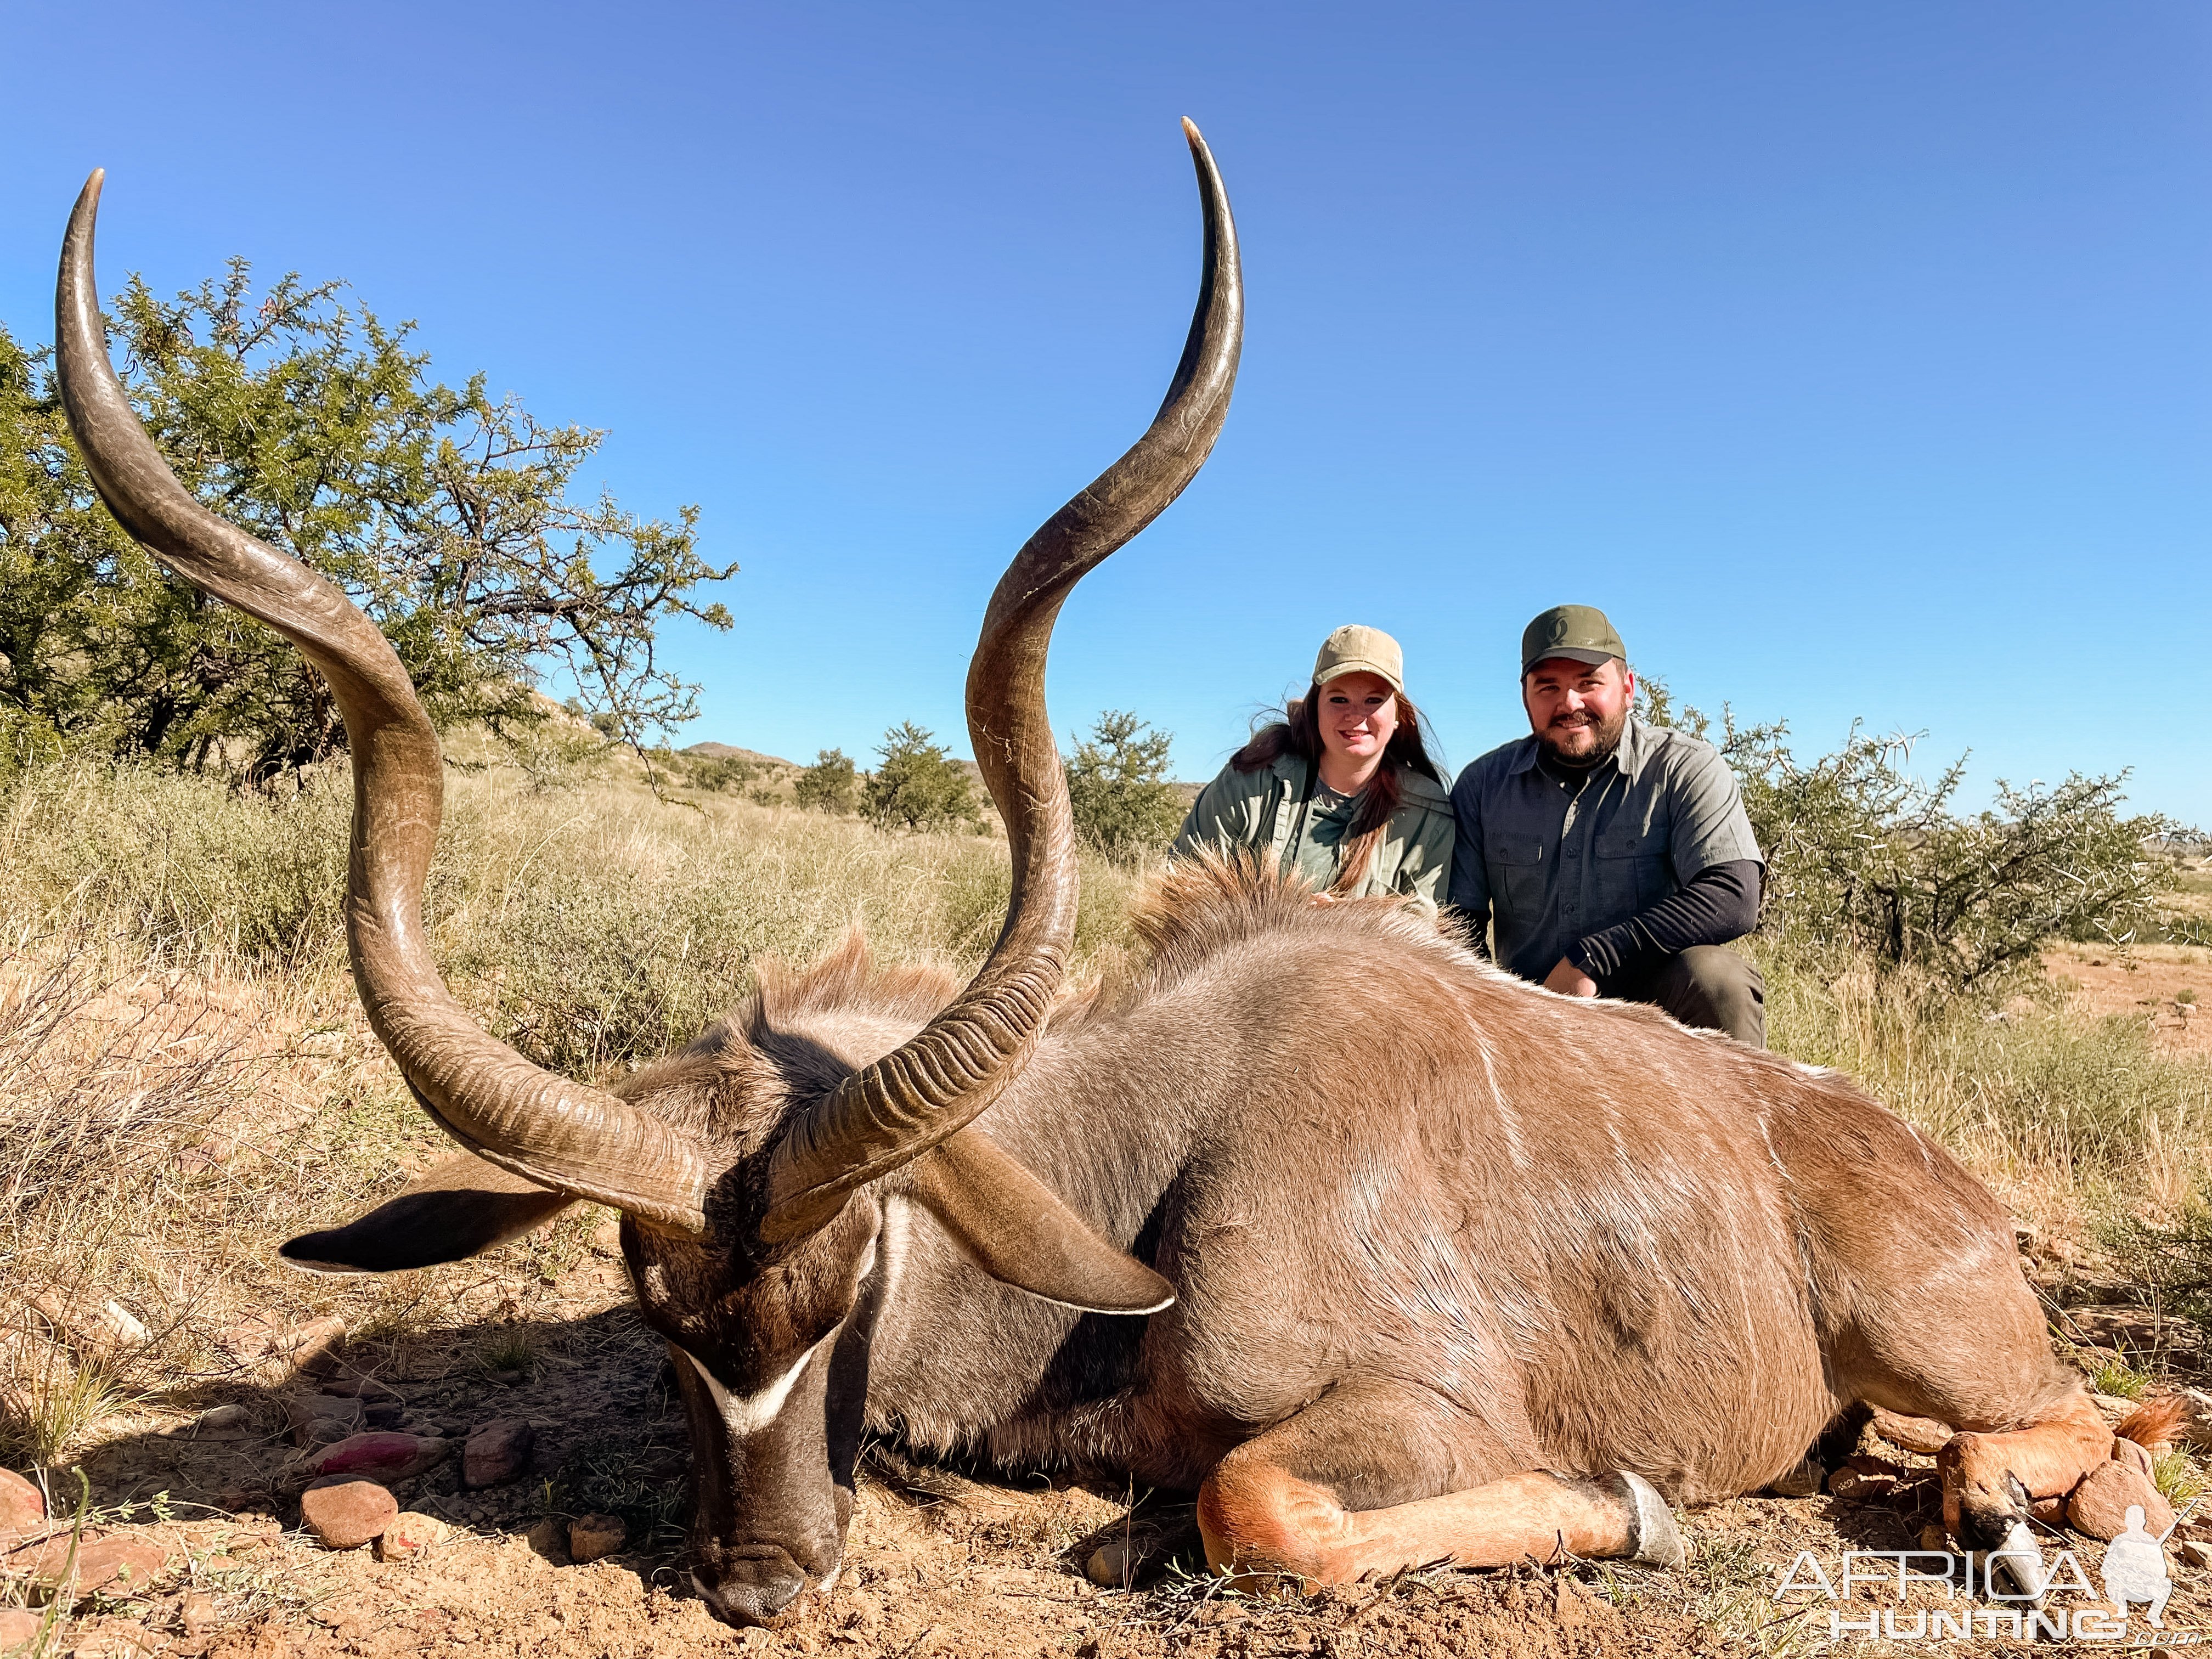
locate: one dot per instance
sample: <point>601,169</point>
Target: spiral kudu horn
<point>916,1097</point>
<point>566,1136</point>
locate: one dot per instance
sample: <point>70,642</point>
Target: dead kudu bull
<point>1393,1258</point>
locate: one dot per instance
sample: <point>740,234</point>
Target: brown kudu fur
<point>1393,1257</point>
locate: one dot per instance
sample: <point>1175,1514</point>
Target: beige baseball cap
<point>1354,649</point>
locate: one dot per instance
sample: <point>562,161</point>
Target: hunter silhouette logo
<point>2135,1569</point>
<point>2065,1604</point>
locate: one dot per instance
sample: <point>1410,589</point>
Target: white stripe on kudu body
<point>748,1416</point>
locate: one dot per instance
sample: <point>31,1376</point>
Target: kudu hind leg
<point>1277,1504</point>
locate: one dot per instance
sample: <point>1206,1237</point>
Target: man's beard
<point>1608,739</point>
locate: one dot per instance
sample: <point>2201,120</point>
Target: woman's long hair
<point>1298,732</point>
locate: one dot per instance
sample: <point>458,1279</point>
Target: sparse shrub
<point>730,773</point>
<point>919,785</point>
<point>1863,856</point>
<point>1117,787</point>
<point>830,785</point>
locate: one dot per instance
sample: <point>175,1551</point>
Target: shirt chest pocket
<point>1519,867</point>
<point>1629,871</point>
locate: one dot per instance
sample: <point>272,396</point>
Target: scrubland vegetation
<point>184,1078</point>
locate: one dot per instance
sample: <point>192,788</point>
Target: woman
<point>1342,792</point>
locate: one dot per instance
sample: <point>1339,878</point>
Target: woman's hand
<point>1570,981</point>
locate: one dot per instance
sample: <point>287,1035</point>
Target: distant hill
<point>730,751</point>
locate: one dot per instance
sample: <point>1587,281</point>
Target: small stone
<point>1850,1483</point>
<point>2051,1511</point>
<point>1802,1481</point>
<point>311,1348</point>
<point>197,1614</point>
<point>410,1536</point>
<point>121,1561</point>
<point>22,1505</point>
<point>346,1513</point>
<point>380,1455</point>
<point>1111,1566</point>
<point>549,1539</point>
<point>18,1629</point>
<point>2195,1554</point>
<point>592,1536</point>
<point>227,1422</point>
<point>2099,1506</point>
<point>497,1452</point>
<point>1933,1539</point>
<point>2136,1457</point>
<point>317,1420</point>
<point>2112,1405</point>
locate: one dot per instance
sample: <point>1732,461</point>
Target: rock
<point>22,1505</point>
<point>382,1454</point>
<point>18,1629</point>
<point>2195,1554</point>
<point>410,1536</point>
<point>592,1536</point>
<point>1932,1538</point>
<point>317,1419</point>
<point>197,1614</point>
<point>230,1422</point>
<point>96,1327</point>
<point>549,1539</point>
<point>497,1452</point>
<point>2113,1405</point>
<point>1112,1565</point>
<point>2099,1505</point>
<point>344,1513</point>
<point>2051,1511</point>
<point>1851,1484</point>
<point>311,1347</point>
<point>1807,1478</point>
<point>1924,1434</point>
<point>122,1561</point>
<point>2136,1457</point>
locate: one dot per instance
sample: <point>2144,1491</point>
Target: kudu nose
<point>751,1588</point>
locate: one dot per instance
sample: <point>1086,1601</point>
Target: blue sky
<point>1857,359</point>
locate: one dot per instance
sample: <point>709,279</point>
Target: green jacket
<point>1258,809</point>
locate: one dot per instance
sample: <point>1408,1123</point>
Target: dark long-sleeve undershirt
<point>1719,904</point>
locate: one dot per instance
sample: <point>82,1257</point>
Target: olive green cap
<point>1356,650</point>
<point>1579,632</point>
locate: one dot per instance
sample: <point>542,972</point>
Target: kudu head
<point>751,1171</point>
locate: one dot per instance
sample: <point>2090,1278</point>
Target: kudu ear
<point>1017,1230</point>
<point>459,1208</point>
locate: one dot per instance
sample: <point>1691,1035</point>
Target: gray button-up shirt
<point>1551,866</point>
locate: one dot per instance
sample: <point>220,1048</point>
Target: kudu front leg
<point>1273,1507</point>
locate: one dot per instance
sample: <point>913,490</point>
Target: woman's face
<point>1358,713</point>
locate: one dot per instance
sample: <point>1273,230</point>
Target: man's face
<point>1577,711</point>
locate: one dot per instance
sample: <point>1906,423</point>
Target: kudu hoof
<point>1653,1540</point>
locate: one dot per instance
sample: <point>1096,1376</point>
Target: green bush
<point>729,774</point>
<point>1864,857</point>
<point>830,785</point>
<point>919,785</point>
<point>1117,785</point>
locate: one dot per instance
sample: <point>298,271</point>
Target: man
<point>1613,858</point>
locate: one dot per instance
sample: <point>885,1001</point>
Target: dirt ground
<point>938,1563</point>
<point>2156,983</point>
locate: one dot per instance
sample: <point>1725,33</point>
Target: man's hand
<point>1570,981</point>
